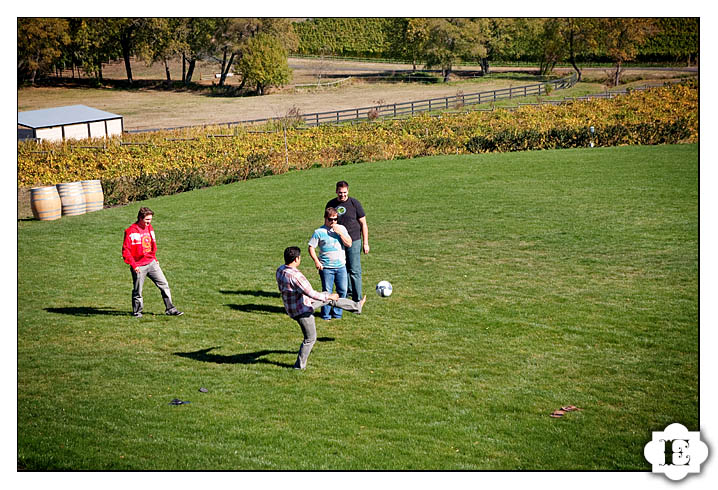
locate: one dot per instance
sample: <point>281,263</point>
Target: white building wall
<point>76,131</point>
<point>114,127</point>
<point>97,129</point>
<point>49,134</point>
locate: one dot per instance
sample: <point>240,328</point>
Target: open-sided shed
<point>70,122</point>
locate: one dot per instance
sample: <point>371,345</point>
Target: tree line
<point>445,42</point>
<point>257,48</point>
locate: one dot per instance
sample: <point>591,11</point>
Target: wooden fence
<point>406,108</point>
<point>436,104</point>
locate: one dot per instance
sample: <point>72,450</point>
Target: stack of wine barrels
<point>66,199</point>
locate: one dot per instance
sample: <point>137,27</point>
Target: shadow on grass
<point>249,292</point>
<point>87,311</point>
<point>252,308</point>
<point>204,355</point>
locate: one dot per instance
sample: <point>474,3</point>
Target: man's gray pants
<point>153,271</point>
<point>309,328</point>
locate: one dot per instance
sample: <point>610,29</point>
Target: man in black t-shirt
<point>352,217</point>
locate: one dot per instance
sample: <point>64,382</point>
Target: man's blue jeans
<point>331,278</point>
<point>353,254</point>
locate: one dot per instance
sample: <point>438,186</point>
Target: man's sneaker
<point>137,315</point>
<point>174,312</point>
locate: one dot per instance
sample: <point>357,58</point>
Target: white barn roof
<point>63,116</point>
<point>69,122</point>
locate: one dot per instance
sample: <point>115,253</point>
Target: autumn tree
<point>408,38</point>
<point>89,47</point>
<point>580,35</point>
<point>264,62</point>
<point>451,41</point>
<point>499,42</point>
<point>164,39</point>
<point>229,39</point>
<point>39,45</point>
<point>232,36</point>
<point>197,35</point>
<point>621,38</point>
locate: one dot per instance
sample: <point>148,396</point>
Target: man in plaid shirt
<point>300,301</point>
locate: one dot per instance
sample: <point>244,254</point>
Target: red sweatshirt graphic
<point>139,247</point>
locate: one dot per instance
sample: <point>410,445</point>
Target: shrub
<point>152,164</point>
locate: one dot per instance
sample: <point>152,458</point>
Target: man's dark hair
<point>342,183</point>
<point>144,212</point>
<point>330,211</point>
<point>290,254</point>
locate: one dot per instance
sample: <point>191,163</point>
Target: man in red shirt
<point>138,251</point>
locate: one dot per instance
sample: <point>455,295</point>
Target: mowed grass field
<point>522,282</point>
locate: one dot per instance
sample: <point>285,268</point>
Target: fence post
<point>412,107</point>
<point>394,109</point>
<point>317,115</point>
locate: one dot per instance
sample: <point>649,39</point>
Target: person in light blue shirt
<point>327,248</point>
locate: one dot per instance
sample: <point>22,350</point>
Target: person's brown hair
<point>144,212</point>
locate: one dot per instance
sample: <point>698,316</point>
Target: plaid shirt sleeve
<point>297,291</point>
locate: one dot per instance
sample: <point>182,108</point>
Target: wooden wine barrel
<point>72,197</point>
<point>45,203</point>
<point>94,200</point>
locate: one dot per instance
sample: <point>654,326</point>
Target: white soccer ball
<point>384,289</point>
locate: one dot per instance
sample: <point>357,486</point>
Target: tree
<point>499,42</point>
<point>232,35</point>
<point>198,33</point>
<point>90,46</point>
<point>453,40</point>
<point>622,37</point>
<point>408,37</point>
<point>229,38</point>
<point>264,62</point>
<point>39,44</point>
<point>164,39</point>
<point>130,34</point>
<point>580,35</point>
<point>552,44</point>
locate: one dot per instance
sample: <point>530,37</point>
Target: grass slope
<point>522,282</point>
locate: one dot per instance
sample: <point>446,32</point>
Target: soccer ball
<point>383,289</point>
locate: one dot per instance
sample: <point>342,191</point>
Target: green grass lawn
<point>522,282</point>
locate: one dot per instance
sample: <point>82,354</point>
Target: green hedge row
<point>343,36</point>
<point>677,39</point>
